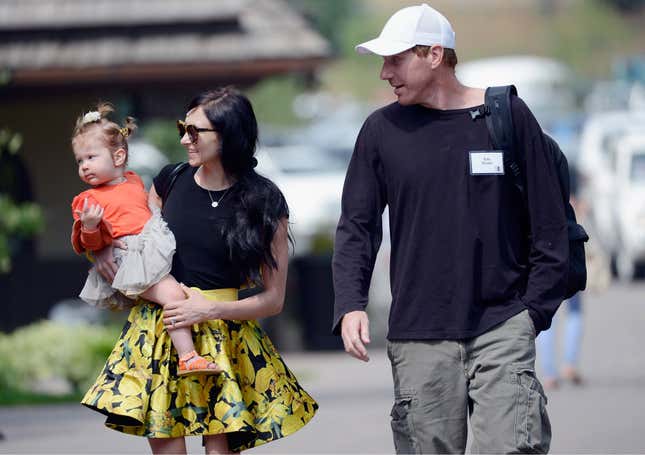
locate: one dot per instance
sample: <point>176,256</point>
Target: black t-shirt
<point>461,261</point>
<point>202,258</point>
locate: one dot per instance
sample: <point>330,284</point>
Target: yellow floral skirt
<point>255,400</point>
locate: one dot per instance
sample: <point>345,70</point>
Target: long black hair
<point>261,203</point>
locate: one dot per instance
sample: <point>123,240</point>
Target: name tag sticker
<point>486,162</point>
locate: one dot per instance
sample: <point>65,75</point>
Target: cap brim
<point>382,47</point>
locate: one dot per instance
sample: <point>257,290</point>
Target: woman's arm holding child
<point>197,308</point>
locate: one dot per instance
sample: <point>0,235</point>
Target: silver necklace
<point>215,203</point>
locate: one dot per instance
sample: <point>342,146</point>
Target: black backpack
<point>500,127</point>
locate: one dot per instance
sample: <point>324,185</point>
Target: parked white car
<point>546,85</point>
<point>312,182</point>
<point>628,161</point>
<point>145,159</point>
<point>312,179</point>
<point>599,137</point>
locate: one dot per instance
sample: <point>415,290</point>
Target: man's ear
<point>436,56</point>
<point>119,157</point>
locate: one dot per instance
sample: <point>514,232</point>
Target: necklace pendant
<point>214,204</point>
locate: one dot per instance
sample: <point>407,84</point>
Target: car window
<point>637,170</point>
<point>609,141</point>
<point>304,160</point>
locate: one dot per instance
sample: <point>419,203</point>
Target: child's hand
<point>91,215</point>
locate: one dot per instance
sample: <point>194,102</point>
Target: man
<point>470,287</point>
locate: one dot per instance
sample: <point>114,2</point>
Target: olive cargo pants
<point>489,378</point>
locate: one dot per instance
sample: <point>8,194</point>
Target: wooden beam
<point>157,73</point>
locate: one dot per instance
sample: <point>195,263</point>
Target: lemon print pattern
<point>255,400</point>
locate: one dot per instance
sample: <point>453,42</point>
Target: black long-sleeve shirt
<point>462,260</point>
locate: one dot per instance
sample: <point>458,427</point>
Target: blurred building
<point>149,57</point>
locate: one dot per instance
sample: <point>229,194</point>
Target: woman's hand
<point>196,308</point>
<point>104,260</point>
<point>192,310</point>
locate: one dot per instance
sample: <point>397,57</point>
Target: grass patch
<point>13,397</point>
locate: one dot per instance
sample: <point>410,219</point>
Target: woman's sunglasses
<point>192,130</point>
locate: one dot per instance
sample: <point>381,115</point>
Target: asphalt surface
<point>605,415</point>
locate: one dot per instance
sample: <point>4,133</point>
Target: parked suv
<point>596,161</point>
<point>628,162</point>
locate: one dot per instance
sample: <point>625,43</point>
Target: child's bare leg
<point>163,292</point>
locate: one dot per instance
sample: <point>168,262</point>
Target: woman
<point>230,226</point>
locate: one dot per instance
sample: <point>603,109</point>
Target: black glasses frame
<point>192,130</point>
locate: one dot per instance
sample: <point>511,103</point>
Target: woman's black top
<point>202,258</point>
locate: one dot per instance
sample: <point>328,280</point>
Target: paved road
<point>607,415</point>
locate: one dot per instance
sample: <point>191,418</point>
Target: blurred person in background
<point>467,297</point>
<point>547,348</point>
<point>230,226</point>
<point>599,277</point>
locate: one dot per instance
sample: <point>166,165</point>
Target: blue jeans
<point>546,342</point>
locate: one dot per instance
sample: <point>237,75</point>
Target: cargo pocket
<point>402,423</point>
<point>532,426</point>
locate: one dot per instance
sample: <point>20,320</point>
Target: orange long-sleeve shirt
<point>125,212</point>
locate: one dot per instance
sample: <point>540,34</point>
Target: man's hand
<point>355,330</point>
<point>90,215</point>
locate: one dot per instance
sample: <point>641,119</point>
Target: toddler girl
<point>117,207</point>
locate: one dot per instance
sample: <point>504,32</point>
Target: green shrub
<point>46,350</point>
<point>17,220</point>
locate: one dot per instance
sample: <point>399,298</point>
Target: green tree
<point>626,6</point>
<point>18,220</point>
<point>328,16</point>
<point>163,135</point>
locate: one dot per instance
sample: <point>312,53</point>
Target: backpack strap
<point>501,129</point>
<point>171,179</point>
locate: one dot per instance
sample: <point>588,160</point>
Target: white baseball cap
<point>408,27</point>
